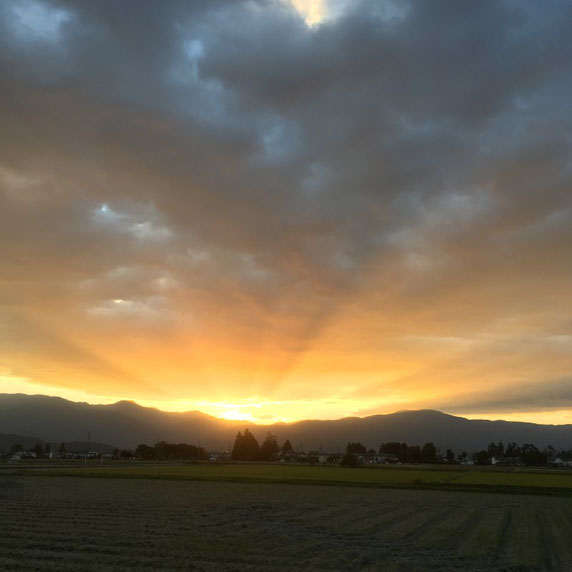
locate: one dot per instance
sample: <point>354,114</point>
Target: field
<point>93,524</point>
<point>543,481</point>
<point>162,523</point>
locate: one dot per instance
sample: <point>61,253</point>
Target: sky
<point>274,210</point>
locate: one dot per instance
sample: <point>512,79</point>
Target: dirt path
<point>110,524</point>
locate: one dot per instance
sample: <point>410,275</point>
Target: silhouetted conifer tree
<point>287,447</point>
<point>246,447</point>
<point>269,449</point>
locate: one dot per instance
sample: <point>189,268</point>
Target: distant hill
<point>419,427</point>
<point>6,441</point>
<point>126,424</point>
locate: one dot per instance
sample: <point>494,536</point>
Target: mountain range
<point>125,424</point>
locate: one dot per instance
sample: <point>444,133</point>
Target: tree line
<point>497,453</point>
<point>512,453</point>
<point>247,448</point>
<point>163,451</point>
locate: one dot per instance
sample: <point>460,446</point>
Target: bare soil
<point>110,524</point>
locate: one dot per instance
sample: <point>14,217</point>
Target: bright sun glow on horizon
<point>236,415</point>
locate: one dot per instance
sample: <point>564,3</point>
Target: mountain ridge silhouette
<point>126,424</point>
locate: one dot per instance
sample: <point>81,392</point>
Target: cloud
<point>541,395</point>
<point>381,197</point>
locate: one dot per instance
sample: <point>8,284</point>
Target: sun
<point>313,11</point>
<point>237,415</point>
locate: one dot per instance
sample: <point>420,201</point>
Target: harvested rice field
<point>124,524</point>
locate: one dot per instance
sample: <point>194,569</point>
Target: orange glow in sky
<point>272,211</point>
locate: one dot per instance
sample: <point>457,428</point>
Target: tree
<point>48,451</point>
<point>356,448</point>
<point>513,450</point>
<point>550,452</point>
<point>246,447</point>
<point>429,453</point>
<point>398,450</point>
<point>16,448</point>
<point>350,460</point>
<point>171,451</point>
<point>251,446</point>
<point>450,456</point>
<point>238,448</point>
<point>39,450</point>
<point>481,457</point>
<point>62,451</point>
<point>287,447</point>
<point>269,449</point>
<point>403,450</point>
<point>146,452</point>
<point>531,456</point>
<point>496,449</point>
<point>414,454</point>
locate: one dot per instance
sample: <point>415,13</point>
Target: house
<point>219,456</point>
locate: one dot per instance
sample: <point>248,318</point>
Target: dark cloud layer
<point>539,396</point>
<point>253,201</point>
